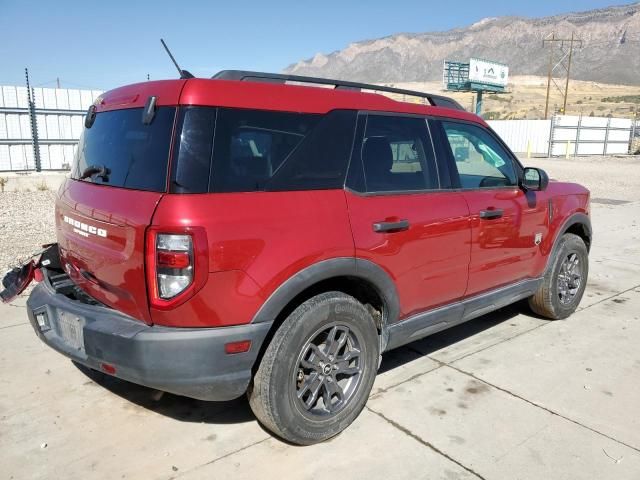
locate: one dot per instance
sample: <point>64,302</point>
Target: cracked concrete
<point>505,396</point>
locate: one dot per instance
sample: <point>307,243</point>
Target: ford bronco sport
<point>246,234</point>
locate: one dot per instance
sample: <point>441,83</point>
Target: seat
<point>377,159</point>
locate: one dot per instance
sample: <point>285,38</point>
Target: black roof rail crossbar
<point>243,75</point>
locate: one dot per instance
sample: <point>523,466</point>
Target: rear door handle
<point>490,214</point>
<point>398,226</point>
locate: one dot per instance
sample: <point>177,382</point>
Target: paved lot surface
<point>506,396</point>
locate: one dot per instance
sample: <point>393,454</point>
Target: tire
<point>561,291</point>
<point>293,374</point>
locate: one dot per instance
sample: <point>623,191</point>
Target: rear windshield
<point>134,154</point>
<point>236,150</point>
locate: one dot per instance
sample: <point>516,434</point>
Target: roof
<point>264,96</point>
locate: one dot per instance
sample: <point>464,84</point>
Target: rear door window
<point>236,150</point>
<point>397,155</point>
<point>135,155</point>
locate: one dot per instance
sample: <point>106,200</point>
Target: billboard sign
<point>489,73</point>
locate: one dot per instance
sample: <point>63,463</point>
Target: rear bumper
<point>185,361</point>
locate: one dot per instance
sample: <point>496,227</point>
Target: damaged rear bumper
<point>185,361</point>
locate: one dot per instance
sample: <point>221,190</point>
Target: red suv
<point>246,234</point>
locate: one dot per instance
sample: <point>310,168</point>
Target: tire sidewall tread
<point>270,397</point>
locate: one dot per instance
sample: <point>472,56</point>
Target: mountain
<point>610,51</point>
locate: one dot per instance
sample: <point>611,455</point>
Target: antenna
<point>183,73</point>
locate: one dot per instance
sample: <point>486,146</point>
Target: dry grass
<point>526,98</point>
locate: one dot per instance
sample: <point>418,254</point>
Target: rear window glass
<point>254,150</point>
<point>135,155</point>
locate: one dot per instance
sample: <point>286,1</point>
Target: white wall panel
<point>77,124</point>
<point>5,159</point>
<point>3,126</point>
<point>520,135</point>
<point>65,127</point>
<point>53,130</point>
<point>62,99</point>
<point>13,126</point>
<point>25,127</point>
<point>41,120</point>
<point>75,102</point>
<point>22,97</point>
<point>10,99</point>
<point>86,99</point>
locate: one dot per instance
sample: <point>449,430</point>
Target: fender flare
<point>327,269</point>
<point>578,218</point>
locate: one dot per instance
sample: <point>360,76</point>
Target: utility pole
<point>566,46</point>
<point>546,105</point>
<point>58,82</point>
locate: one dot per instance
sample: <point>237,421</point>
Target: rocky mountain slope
<point>610,52</point>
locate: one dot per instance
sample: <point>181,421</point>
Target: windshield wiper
<point>101,171</point>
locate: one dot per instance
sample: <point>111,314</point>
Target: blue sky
<point>113,42</point>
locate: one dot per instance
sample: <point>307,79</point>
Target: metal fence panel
<point>524,135</point>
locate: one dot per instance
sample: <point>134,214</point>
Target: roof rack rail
<point>243,75</point>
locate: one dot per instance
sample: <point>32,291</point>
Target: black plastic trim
<point>432,321</point>
<point>184,361</point>
<point>243,75</point>
<point>578,218</point>
<point>325,270</point>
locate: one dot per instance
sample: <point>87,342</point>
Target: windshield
<point>120,151</point>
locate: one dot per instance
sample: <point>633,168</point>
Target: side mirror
<point>534,179</point>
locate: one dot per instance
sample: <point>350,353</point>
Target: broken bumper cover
<point>184,361</point>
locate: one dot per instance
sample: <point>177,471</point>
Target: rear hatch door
<point>102,217</point>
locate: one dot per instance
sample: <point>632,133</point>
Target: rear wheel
<point>565,281</point>
<point>317,372</point>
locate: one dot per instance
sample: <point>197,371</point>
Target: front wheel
<point>565,280</point>
<point>316,374</point>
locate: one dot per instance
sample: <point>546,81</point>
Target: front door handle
<point>491,214</point>
<point>399,226</point>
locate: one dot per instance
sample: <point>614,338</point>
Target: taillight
<point>174,264</point>
<point>177,265</point>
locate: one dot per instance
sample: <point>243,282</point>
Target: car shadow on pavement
<point>238,411</point>
<point>174,406</point>
<point>450,336</point>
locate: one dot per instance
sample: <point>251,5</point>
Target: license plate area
<point>70,330</point>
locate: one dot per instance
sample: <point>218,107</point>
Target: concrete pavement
<point>506,396</point>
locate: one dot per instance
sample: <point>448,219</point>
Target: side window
<point>397,154</point>
<point>234,150</point>
<point>251,145</point>
<point>480,159</point>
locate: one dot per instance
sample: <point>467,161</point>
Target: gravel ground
<point>27,222</point>
<point>616,178</point>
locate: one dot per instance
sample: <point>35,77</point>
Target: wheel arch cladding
<point>579,224</point>
<point>362,279</point>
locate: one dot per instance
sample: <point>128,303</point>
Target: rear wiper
<point>101,171</point>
